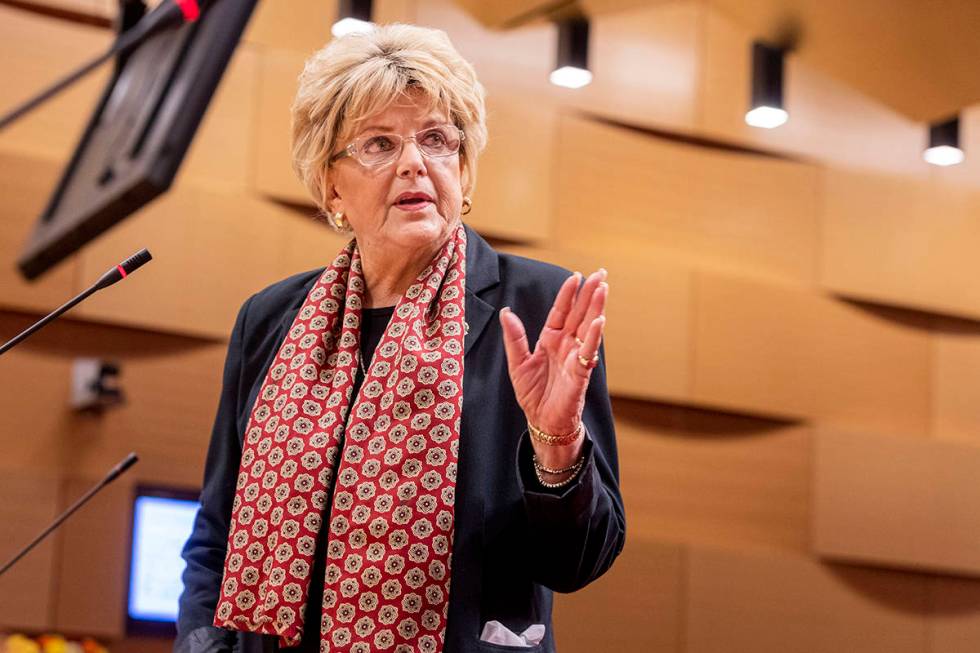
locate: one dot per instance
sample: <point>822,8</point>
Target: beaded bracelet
<point>539,468</point>
<point>554,440</point>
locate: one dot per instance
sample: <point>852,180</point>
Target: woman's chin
<point>422,226</point>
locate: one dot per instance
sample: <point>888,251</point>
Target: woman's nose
<point>411,163</point>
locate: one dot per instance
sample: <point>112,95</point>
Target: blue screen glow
<point>160,528</point>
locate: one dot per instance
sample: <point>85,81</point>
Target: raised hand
<point>550,383</point>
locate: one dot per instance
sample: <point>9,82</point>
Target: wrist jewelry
<point>538,469</point>
<point>554,440</point>
<point>547,470</point>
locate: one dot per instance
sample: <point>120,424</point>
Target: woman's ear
<point>331,198</point>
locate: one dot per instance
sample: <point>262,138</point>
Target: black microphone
<point>115,274</point>
<point>168,14</point>
<point>125,464</point>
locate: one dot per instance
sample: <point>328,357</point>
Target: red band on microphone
<point>121,271</point>
<point>190,9</point>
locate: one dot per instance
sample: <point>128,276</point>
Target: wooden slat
<point>37,51</point>
<point>216,249</point>
<point>28,504</point>
<point>621,191</point>
<point>954,615</point>
<point>636,606</point>
<point>882,241</point>
<point>713,479</point>
<point>955,392</point>
<point>784,350</point>
<point>897,502</point>
<point>94,557</point>
<point>776,603</point>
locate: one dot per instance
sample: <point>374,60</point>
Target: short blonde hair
<point>358,75</point>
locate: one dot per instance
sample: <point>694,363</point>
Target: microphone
<point>115,274</point>
<point>168,14</point>
<point>113,474</point>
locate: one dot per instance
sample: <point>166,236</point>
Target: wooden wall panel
<point>713,479</point>
<point>783,350</point>
<point>37,51</point>
<point>618,190</point>
<point>94,560</point>
<point>220,156</point>
<point>956,381</point>
<point>26,182</point>
<point>514,174</point>
<point>217,249</point>
<point>300,25</point>
<point>954,615</point>
<point>901,242</point>
<point>28,503</point>
<point>272,172</point>
<point>897,502</point>
<point>636,606</point>
<point>740,602</point>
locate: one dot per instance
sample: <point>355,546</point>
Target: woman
<point>362,491</point>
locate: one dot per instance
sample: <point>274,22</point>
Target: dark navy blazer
<point>515,542</point>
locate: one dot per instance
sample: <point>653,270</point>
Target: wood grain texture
<point>784,350</point>
<point>740,602</point>
<point>897,502</point>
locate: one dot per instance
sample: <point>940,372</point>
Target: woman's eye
<point>379,144</point>
<point>434,138</point>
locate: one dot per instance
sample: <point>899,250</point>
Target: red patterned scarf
<point>391,519</point>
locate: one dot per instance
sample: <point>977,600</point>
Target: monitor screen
<point>161,526</point>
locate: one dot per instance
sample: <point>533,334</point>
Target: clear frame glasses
<point>375,150</point>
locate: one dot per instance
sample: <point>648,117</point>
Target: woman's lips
<point>412,206</point>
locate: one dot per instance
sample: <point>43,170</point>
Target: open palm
<point>550,383</point>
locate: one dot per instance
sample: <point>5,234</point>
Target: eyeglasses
<point>380,149</point>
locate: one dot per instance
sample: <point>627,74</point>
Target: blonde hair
<point>358,75</point>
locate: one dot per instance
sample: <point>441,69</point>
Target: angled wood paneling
<point>784,350</point>
<point>28,503</point>
<point>272,172</point>
<point>26,183</point>
<point>216,249</point>
<point>37,51</point>
<point>954,615</point>
<point>618,190</point>
<point>713,479</point>
<point>897,502</point>
<point>900,241</point>
<point>955,386</point>
<point>636,606</point>
<point>772,604</point>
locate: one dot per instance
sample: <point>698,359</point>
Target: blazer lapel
<point>482,272</point>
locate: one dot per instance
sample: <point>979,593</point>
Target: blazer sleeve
<point>204,551</point>
<point>577,531</point>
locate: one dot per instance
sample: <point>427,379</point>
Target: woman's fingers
<point>597,307</point>
<point>515,339</point>
<point>582,301</point>
<point>589,349</point>
<point>563,303</point>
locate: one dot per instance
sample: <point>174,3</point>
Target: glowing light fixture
<point>353,16</point>
<point>766,108</point>
<point>572,67</point>
<point>944,143</point>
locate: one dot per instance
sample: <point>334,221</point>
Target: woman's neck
<point>389,272</point>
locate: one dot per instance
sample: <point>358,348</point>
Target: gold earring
<point>467,205</point>
<point>339,221</point>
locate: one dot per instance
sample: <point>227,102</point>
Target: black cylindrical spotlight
<point>766,106</point>
<point>944,143</point>
<point>572,65</point>
<point>352,16</point>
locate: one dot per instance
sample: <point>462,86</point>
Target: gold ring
<point>578,341</point>
<point>586,363</point>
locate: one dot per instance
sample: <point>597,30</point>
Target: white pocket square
<point>495,632</point>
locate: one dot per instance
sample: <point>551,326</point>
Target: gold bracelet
<point>547,470</point>
<point>554,440</point>
<point>577,467</point>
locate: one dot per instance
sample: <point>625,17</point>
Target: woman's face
<point>370,196</point>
